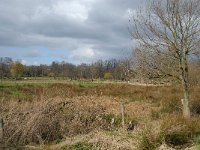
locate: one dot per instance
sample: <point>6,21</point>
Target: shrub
<point>149,140</point>
<point>33,122</point>
<point>178,131</point>
<point>108,76</point>
<point>45,121</point>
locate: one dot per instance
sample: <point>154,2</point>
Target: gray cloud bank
<point>89,29</point>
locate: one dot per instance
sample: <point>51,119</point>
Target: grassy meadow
<point>83,115</point>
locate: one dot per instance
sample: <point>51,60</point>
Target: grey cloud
<point>23,24</point>
<point>32,53</point>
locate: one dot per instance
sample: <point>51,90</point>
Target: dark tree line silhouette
<point>117,69</point>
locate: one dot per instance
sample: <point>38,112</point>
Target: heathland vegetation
<point>87,115</point>
<point>150,101</point>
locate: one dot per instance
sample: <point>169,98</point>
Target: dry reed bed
<point>48,120</point>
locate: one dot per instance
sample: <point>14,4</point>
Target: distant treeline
<point>145,70</point>
<point>101,69</point>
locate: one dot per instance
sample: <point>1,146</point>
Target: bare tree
<point>151,66</point>
<point>171,28</point>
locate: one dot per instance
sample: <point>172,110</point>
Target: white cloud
<point>71,9</point>
<point>24,62</point>
<point>85,53</point>
<point>89,52</point>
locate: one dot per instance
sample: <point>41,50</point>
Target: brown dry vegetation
<point>80,116</point>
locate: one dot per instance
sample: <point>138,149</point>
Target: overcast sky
<point>40,31</point>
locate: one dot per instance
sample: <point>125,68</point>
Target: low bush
<point>179,131</point>
<point>46,121</point>
<point>175,130</point>
<point>149,140</point>
<point>32,123</point>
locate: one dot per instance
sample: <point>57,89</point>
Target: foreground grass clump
<point>149,140</point>
<point>173,130</point>
<point>179,131</point>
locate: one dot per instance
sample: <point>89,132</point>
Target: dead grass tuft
<point>180,132</point>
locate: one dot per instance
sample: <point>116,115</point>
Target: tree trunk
<point>185,101</point>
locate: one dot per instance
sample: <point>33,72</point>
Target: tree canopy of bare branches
<point>170,28</point>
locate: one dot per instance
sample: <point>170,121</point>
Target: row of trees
<point>108,69</point>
